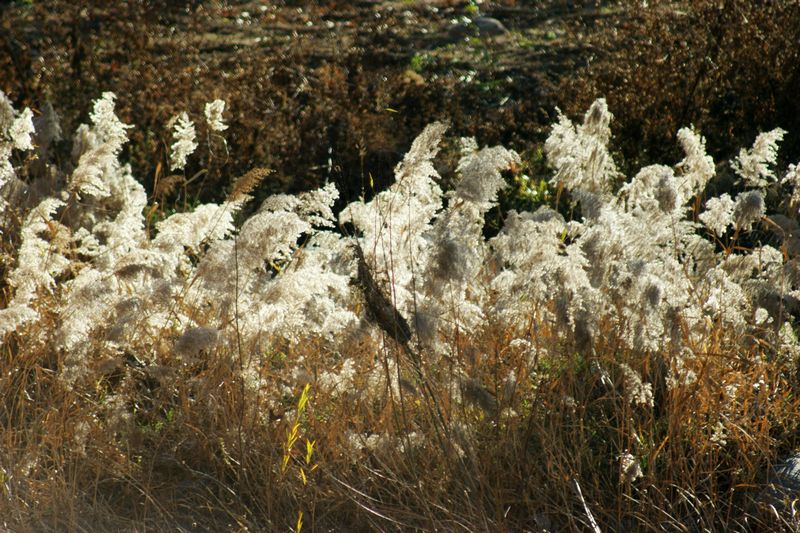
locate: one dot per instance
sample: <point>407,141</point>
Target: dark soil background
<point>336,91</point>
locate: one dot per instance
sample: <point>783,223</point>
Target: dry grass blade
<point>588,511</point>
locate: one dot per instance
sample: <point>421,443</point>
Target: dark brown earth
<point>336,91</point>
<point>315,90</point>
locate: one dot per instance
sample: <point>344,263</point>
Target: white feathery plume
<point>15,133</point>
<point>579,154</point>
<point>753,165</point>
<point>213,112</point>
<point>105,124</point>
<point>185,144</point>
<point>697,168</point>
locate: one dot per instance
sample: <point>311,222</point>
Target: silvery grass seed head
<point>749,209</point>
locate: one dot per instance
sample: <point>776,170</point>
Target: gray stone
<point>479,25</point>
<point>489,27</point>
<point>783,487</point>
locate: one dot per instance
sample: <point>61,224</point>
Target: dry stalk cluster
<point>631,365</point>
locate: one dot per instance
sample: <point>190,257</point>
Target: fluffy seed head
<point>749,208</point>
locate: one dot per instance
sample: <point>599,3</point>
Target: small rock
<point>489,27</point>
<point>486,27</point>
<point>783,485</point>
